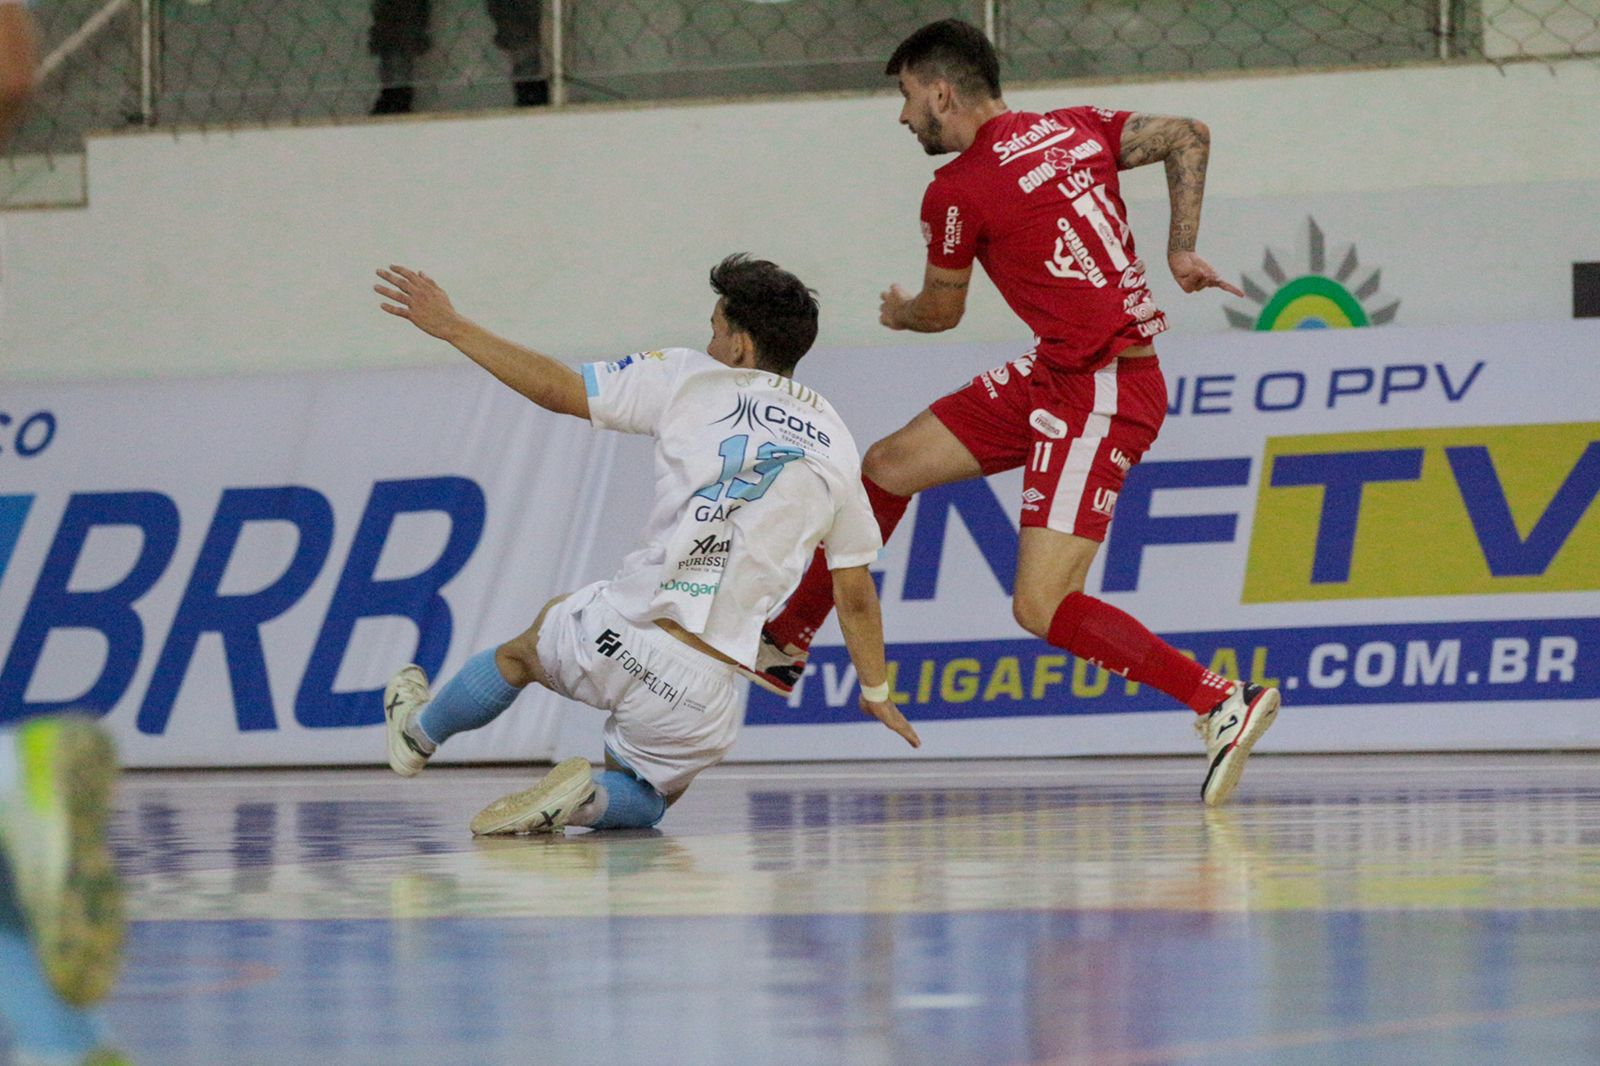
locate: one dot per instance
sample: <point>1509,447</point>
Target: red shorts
<point>1078,432</point>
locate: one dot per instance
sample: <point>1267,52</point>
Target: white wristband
<point>875,693</point>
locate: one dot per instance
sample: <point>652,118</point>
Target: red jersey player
<point>1035,199</point>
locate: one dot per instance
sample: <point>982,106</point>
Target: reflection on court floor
<point>1432,909</point>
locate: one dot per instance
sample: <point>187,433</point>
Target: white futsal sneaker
<point>1230,730</point>
<point>403,699</point>
<point>545,807</point>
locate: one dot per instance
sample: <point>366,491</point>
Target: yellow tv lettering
<point>1451,511</point>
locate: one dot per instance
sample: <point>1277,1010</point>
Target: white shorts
<point>674,711</point>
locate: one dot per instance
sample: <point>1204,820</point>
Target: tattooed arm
<point>938,307</point>
<point>1183,144</point>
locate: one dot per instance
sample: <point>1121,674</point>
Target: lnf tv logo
<point>236,618</point>
<point>1437,512</point>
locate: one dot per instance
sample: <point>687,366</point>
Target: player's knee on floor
<point>631,802</point>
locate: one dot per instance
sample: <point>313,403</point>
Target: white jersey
<point>752,470</point>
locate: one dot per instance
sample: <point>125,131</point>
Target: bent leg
<point>920,455</point>
<point>486,685</point>
<point>623,800</point>
<point>1050,603</point>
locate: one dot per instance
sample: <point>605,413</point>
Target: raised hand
<point>419,300</point>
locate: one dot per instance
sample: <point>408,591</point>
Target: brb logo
<point>59,601</point>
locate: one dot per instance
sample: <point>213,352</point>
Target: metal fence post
<point>149,59</point>
<point>558,53</point>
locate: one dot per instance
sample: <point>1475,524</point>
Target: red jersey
<point>1036,200</point>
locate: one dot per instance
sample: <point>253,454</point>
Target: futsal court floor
<point>1393,909</point>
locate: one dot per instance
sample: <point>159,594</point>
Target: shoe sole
<point>766,683</point>
<point>75,910</point>
<point>545,807</point>
<point>402,760</point>
<point>1228,768</point>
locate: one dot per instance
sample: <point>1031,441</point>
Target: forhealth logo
<point>1315,297</point>
<point>1430,512</point>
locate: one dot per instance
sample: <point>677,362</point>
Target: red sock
<point>812,601</point>
<point>1094,630</point>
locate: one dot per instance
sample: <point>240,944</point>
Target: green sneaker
<point>53,834</point>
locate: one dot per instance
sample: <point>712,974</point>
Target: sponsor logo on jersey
<point>1072,259</point>
<point>1047,423</point>
<point>952,229</point>
<point>627,361</point>
<point>1059,162</point>
<point>1037,137</point>
<point>707,553</point>
<point>1031,498</point>
<point>1321,296</point>
<point>1140,306</point>
<point>695,589</point>
<point>1105,501</point>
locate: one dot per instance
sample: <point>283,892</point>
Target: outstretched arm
<point>860,618</point>
<point>19,61</point>
<point>548,382</point>
<point>1184,145</point>
<point>938,307</point>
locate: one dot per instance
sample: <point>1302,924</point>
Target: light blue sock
<point>470,700</point>
<point>629,803</point>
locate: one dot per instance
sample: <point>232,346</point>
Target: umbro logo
<point>608,642</point>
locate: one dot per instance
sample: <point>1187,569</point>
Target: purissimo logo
<point>1315,297</point>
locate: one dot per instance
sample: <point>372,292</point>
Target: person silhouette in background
<point>400,34</point>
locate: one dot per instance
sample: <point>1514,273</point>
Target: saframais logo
<point>1313,298</point>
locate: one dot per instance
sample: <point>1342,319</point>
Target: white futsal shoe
<point>403,699</point>
<point>1230,731</point>
<point>545,807</point>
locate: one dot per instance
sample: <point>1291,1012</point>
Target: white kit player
<point>753,470</point>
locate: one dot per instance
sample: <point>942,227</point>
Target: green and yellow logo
<point>1427,512</point>
<point>1314,298</point>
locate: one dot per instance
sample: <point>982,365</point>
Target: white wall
<point>589,231</point>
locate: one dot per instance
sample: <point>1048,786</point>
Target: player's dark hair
<point>954,50</point>
<point>769,304</point>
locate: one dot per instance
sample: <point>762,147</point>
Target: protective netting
<point>222,63</point>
